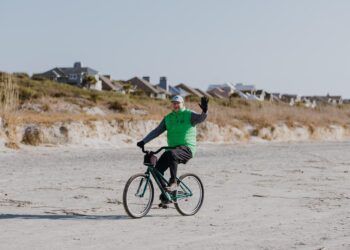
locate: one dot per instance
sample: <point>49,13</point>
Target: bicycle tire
<point>201,199</point>
<point>125,197</point>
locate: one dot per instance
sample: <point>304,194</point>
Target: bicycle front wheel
<point>138,195</point>
<point>190,194</point>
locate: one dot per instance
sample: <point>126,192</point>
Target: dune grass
<point>234,112</point>
<point>263,114</point>
<point>9,100</point>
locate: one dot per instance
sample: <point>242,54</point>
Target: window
<point>73,76</point>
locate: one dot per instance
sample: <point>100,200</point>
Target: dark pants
<point>170,159</point>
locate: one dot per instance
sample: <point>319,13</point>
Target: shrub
<point>116,106</point>
<point>139,93</point>
<point>38,78</point>
<point>94,97</point>
<point>46,107</point>
<point>25,94</point>
<point>32,136</point>
<point>21,75</point>
<point>88,81</point>
<point>59,94</point>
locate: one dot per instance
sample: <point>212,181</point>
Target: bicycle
<point>138,192</point>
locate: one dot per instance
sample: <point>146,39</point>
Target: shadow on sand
<point>62,217</point>
<point>70,217</point>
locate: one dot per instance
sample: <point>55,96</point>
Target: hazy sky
<point>296,46</point>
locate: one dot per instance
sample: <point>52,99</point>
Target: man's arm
<point>198,118</point>
<point>155,132</point>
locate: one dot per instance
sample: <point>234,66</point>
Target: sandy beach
<point>257,196</point>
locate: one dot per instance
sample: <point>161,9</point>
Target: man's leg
<point>163,164</point>
<point>173,168</point>
<point>171,159</point>
<point>180,154</point>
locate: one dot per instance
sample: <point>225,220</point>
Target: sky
<point>288,46</point>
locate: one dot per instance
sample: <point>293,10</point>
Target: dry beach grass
<point>9,99</point>
<point>223,112</point>
<point>28,101</point>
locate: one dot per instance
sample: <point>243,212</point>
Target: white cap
<point>177,98</point>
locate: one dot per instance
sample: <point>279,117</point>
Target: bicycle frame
<point>152,171</point>
<point>185,190</point>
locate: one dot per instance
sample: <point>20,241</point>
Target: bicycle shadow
<point>72,217</point>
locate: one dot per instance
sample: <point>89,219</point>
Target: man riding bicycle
<point>181,134</point>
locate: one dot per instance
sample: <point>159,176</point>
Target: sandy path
<point>266,196</point>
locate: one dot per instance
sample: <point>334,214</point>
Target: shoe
<point>163,201</point>
<point>161,205</point>
<point>172,187</point>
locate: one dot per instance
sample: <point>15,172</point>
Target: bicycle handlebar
<point>155,152</point>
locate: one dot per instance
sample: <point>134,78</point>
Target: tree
<point>127,88</point>
<point>88,81</point>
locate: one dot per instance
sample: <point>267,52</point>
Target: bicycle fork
<point>140,186</point>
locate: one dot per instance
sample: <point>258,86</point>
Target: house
<point>163,83</point>
<point>72,75</point>
<point>327,99</point>
<point>145,86</point>
<point>245,88</point>
<point>276,97</point>
<point>290,99</point>
<point>260,94</point>
<point>162,92</point>
<point>178,91</point>
<point>309,103</point>
<point>108,85</point>
<point>264,95</point>
<point>189,90</point>
<point>313,98</point>
<point>226,90</point>
<point>229,90</point>
<point>163,86</point>
<point>248,96</point>
<point>206,94</point>
<point>218,93</point>
<point>224,85</point>
<point>335,99</point>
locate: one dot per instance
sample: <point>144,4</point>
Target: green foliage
<point>127,88</point>
<point>26,93</point>
<point>88,81</point>
<point>139,93</point>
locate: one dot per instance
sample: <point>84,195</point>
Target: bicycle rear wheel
<point>138,195</point>
<point>190,195</point>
